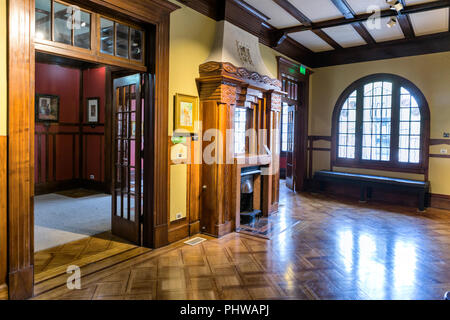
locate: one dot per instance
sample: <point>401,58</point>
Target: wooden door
<point>290,151</point>
<point>127,186</point>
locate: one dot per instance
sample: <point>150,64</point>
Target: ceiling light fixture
<point>395,5</point>
<point>392,22</point>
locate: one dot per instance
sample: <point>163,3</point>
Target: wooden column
<point>21,90</point>
<point>222,87</point>
<point>21,148</point>
<point>218,99</point>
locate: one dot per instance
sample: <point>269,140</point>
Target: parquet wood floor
<point>339,250</point>
<point>89,254</point>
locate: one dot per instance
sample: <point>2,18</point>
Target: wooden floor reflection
<point>339,250</point>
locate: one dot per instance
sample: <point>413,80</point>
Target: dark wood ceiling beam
<point>433,43</point>
<point>363,32</point>
<point>348,13</point>
<point>363,17</point>
<point>293,11</point>
<point>344,8</point>
<point>297,14</point>
<point>405,23</point>
<point>327,39</point>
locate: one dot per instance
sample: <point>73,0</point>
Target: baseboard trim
<point>21,283</point>
<point>440,201</point>
<point>55,186</point>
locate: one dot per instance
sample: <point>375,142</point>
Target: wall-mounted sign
<point>302,69</point>
<point>179,152</point>
<point>177,140</point>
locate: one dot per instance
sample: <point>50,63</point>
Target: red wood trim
<point>434,142</point>
<point>319,149</point>
<point>440,201</point>
<point>318,138</point>
<point>445,156</point>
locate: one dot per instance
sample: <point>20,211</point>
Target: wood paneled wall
<point>3,212</point>
<point>21,148</point>
<point>21,87</point>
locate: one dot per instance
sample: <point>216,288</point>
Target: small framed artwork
<point>47,108</point>
<point>186,112</point>
<point>92,110</point>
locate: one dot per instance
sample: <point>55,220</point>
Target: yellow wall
<point>428,72</point>
<point>3,66</point>
<point>191,41</point>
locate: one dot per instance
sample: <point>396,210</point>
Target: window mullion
<point>359,123</point>
<point>395,122</point>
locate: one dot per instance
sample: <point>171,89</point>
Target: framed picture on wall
<point>92,110</point>
<point>186,112</point>
<point>47,108</point>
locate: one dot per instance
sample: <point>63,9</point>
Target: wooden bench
<point>368,182</point>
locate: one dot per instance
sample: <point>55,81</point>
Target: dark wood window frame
<point>94,53</point>
<point>393,164</point>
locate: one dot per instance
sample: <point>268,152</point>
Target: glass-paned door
<point>290,147</point>
<point>127,150</point>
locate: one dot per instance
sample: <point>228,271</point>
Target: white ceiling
<point>319,10</point>
<point>279,18</point>
<point>430,22</point>
<point>310,40</point>
<point>345,35</point>
<point>366,6</point>
<point>381,32</point>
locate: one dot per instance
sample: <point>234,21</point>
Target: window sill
<point>408,168</point>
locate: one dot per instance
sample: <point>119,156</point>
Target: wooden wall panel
<point>21,148</point>
<point>3,220</point>
<point>160,138</point>
<point>21,59</point>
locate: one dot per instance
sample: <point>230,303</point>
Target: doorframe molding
<point>21,89</point>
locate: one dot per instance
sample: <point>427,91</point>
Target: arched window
<point>381,122</point>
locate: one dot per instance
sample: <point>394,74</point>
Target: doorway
<point>89,119</point>
<point>294,124</point>
<point>23,42</point>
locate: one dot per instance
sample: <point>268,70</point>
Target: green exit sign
<point>302,69</point>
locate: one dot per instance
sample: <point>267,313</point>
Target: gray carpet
<point>60,219</point>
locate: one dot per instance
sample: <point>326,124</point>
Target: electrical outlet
<point>179,215</point>
<point>92,177</point>
<point>444,151</point>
